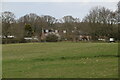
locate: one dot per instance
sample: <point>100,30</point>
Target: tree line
<point>99,22</point>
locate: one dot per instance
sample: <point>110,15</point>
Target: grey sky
<point>55,9</point>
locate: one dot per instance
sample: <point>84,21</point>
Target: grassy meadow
<point>60,60</point>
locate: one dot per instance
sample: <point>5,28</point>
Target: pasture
<point>60,60</point>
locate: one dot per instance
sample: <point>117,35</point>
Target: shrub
<point>6,41</point>
<point>13,40</point>
<point>52,38</point>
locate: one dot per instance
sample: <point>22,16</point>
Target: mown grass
<point>60,60</point>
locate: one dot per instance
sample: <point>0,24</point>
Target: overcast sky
<point>55,9</point>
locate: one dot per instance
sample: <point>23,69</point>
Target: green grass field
<point>60,60</point>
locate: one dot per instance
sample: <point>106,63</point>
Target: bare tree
<point>99,19</point>
<point>98,15</point>
<point>118,15</point>
<point>34,21</point>
<point>48,21</point>
<point>8,18</point>
<point>69,24</point>
<point>118,7</point>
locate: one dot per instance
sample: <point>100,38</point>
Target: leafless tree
<point>8,18</point>
<point>34,21</point>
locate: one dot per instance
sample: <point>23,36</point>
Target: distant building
<point>46,32</point>
<point>111,40</point>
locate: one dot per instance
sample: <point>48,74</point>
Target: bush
<point>13,40</point>
<point>51,38</point>
<point>7,41</point>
